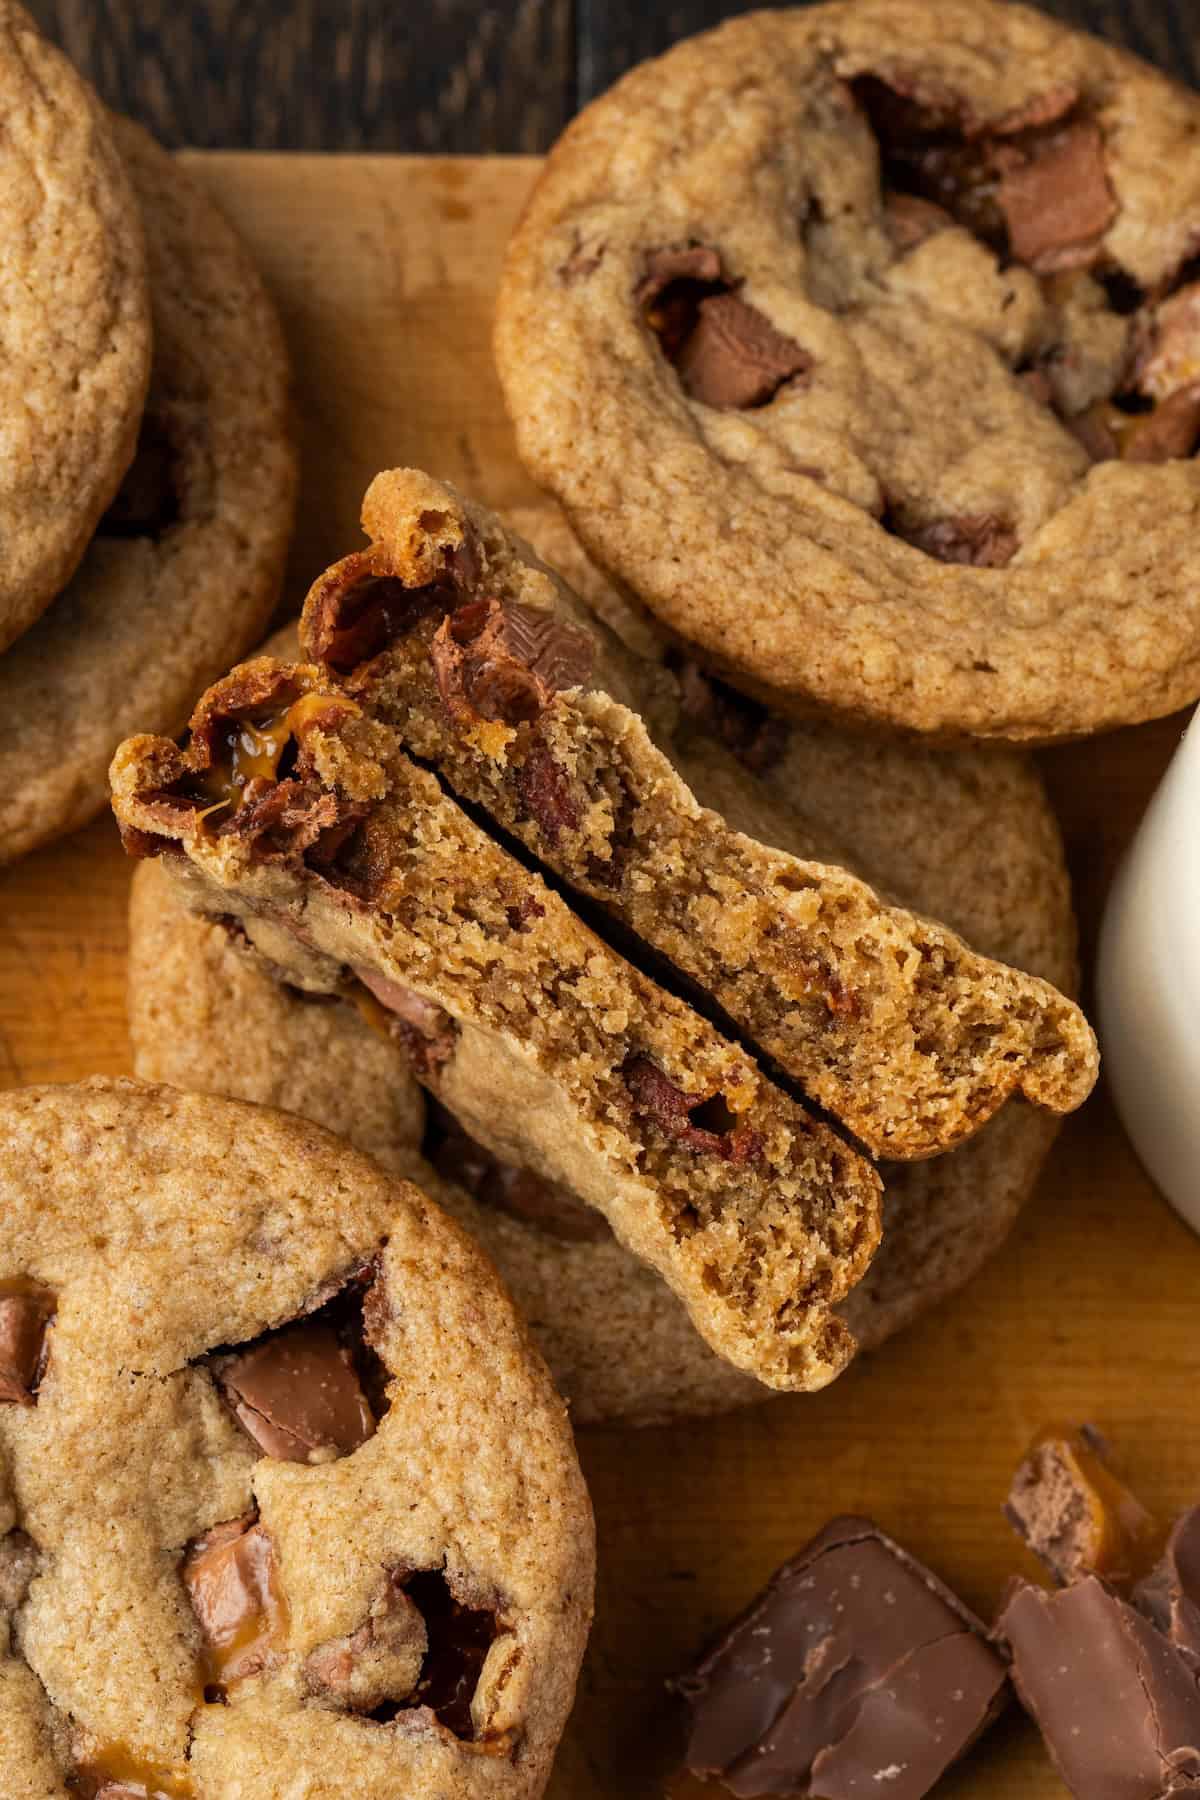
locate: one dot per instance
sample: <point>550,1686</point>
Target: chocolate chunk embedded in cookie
<point>74,320</point>
<point>860,341</point>
<point>295,1505</point>
<point>184,569</point>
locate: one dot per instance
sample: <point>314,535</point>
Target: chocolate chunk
<point>500,660</point>
<point>981,539</point>
<point>700,1121</point>
<point>518,1192</point>
<point>909,220</point>
<point>298,1396</point>
<point>747,729</point>
<point>232,1583</point>
<point>735,357</point>
<point>1169,1595</point>
<point>695,262</point>
<point>380,1661</point>
<point>425,1030</point>
<point>459,1638</point>
<point>357,610</point>
<point>1168,433</point>
<point>1100,430</point>
<point>1056,198</point>
<point>856,1672</point>
<point>546,795</point>
<point>924,152</point>
<point>26,1312</point>
<point>1075,1515</point>
<point>1117,1704</point>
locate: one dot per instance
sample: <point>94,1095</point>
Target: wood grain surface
<point>446,75</point>
<point>384,270</point>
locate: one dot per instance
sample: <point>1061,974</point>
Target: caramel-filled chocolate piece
<point>115,1772</point>
<point>26,1311</point>
<point>1075,1515</point>
<point>856,1672</point>
<point>1170,1594</point>
<point>298,1395</point>
<point>233,1585</point>
<point>1117,1704</point>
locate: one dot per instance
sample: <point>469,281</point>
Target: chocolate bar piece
<point>1073,1512</point>
<point>1117,1703</point>
<point>1170,1595</point>
<point>855,1672</point>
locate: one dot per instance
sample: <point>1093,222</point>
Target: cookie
<point>860,340</point>
<point>968,837</point>
<point>287,1501</point>
<point>74,320</point>
<point>300,815</point>
<point>453,633</point>
<point>184,570</point>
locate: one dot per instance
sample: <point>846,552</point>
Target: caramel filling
<point>252,749</point>
<point>116,1772</point>
<point>1126,1540</point>
<point>233,1584</point>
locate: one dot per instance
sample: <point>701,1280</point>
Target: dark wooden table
<point>444,75</point>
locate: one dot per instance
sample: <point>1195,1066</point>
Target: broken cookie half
<point>451,632</point>
<point>301,816</point>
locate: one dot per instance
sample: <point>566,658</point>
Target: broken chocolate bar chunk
<point>232,1582</point>
<point>504,661</point>
<point>735,357</point>
<point>298,1396</point>
<point>855,1672</point>
<point>26,1311</point>
<point>1075,1515</point>
<point>1169,1595</point>
<point>1116,1702</point>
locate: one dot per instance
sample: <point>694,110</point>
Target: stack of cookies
<point>148,483</point>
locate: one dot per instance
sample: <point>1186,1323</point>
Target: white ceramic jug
<point>1148,984</point>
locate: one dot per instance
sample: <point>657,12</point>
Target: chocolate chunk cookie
<point>967,837</point>
<point>287,1501</point>
<point>300,815</point>
<point>451,632</point>
<point>861,341</point>
<point>74,320</point>
<point>184,568</point>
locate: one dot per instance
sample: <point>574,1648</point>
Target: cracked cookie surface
<point>286,1495</point>
<point>74,320</point>
<point>183,570</point>
<point>861,341</point>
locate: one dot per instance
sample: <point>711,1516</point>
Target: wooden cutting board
<point>385,270</point>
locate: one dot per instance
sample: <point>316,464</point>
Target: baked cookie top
<point>286,1497</point>
<point>861,340</point>
<point>184,569</point>
<point>74,320</point>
